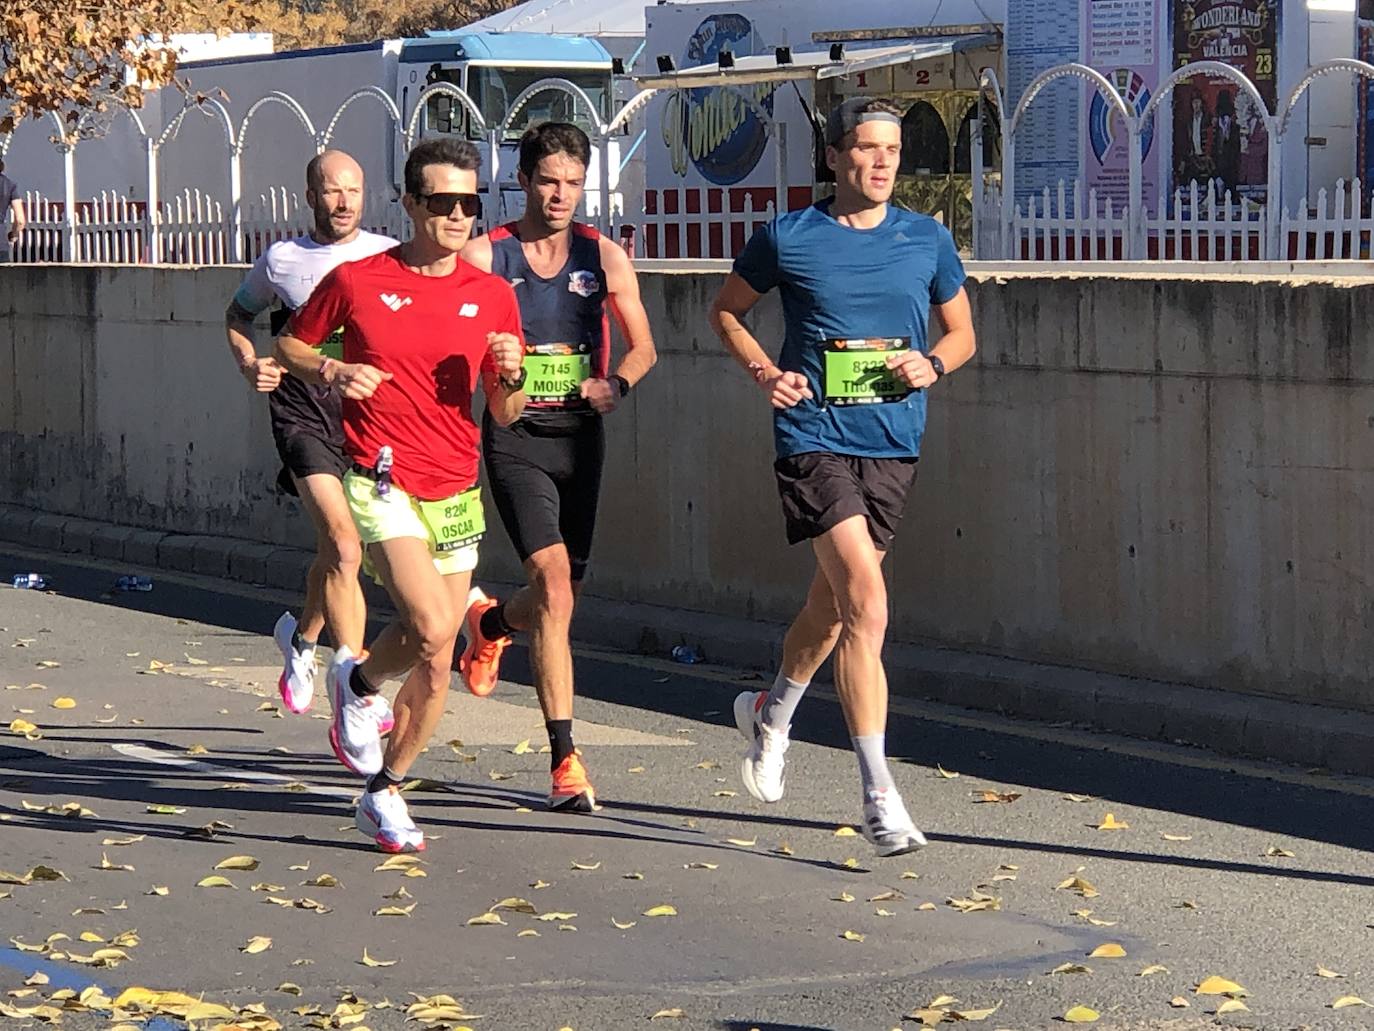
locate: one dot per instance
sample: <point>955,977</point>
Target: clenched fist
<point>262,374</point>
<point>506,353</point>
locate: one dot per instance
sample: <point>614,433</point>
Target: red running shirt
<point>430,333</point>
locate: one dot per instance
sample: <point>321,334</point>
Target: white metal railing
<point>702,232</point>
<point>1192,225</point>
<point>190,228</point>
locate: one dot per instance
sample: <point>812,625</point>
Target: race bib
<point>455,522</point>
<point>856,371</point>
<point>554,373</point>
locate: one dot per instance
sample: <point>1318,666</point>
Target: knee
<point>553,588</point>
<point>864,610</point>
<point>434,630</point>
<point>342,553</point>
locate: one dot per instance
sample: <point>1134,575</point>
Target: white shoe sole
<point>913,842</point>
<point>282,634</point>
<point>337,686</point>
<point>410,842</point>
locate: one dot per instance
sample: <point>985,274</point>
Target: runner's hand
<point>506,353</point>
<point>912,368</point>
<point>359,381</point>
<point>262,374</point>
<point>601,393</point>
<point>786,389</point>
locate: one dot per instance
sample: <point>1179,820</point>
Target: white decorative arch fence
<point>198,227</point>
<point>1062,224</point>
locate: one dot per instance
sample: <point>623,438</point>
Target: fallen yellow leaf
<point>672,1014</point>
<point>975,1014</point>
<point>215,881</point>
<point>586,866</point>
<point>1232,1006</point>
<point>404,861</point>
<point>64,703</point>
<point>1177,837</point>
<point>324,880</point>
<point>237,863</point>
<point>623,926</point>
<point>395,910</point>
<point>1081,1015</point>
<point>523,748</point>
<point>1111,950</point>
<point>486,919</point>
<point>368,961</point>
<point>1219,986</point>
<point>846,832</point>
<point>256,944</point>
<point>1323,972</point>
<point>1178,1002</point>
<point>1071,968</point>
<point>995,796</point>
<point>663,910</point>
<point>940,771</point>
<point>742,842</point>
<point>1154,968</point>
<point>528,932</point>
<point>1348,1000</point>
<point>852,936</point>
<point>1111,823</point>
<point>1273,851</point>
<point>1078,886</point>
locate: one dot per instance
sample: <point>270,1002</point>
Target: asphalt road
<point>1200,883</point>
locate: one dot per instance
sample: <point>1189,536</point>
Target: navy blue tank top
<point>567,335</point>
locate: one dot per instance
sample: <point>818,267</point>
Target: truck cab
<point>494,69</point>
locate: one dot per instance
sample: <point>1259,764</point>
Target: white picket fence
<point>701,233</point>
<point>192,227</point>
<point>1192,225</point>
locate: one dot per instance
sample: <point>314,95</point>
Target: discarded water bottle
<point>29,581</point>
<point>134,583</point>
<point>686,654</point>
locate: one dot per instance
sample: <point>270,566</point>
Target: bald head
<point>334,191</point>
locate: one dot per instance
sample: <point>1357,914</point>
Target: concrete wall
<point>1163,477</point>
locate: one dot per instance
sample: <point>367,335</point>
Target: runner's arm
<point>959,343</point>
<point>734,301</point>
<point>262,373</point>
<point>503,362</point>
<point>310,326</point>
<point>18,220</point>
<point>627,307</point>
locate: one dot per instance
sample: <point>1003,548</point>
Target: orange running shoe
<point>480,663</point>
<point>572,791</point>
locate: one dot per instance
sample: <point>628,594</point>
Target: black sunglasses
<point>443,203</point>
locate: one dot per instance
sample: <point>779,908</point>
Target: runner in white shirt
<point>306,421</point>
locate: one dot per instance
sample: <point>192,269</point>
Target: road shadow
<point>1230,796</point>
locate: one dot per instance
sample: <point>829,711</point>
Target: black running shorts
<point>820,490</point>
<point>545,477</point>
<point>307,427</point>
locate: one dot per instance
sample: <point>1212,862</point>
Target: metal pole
<point>493,185</point>
<point>152,218</point>
<point>975,147</point>
<point>1135,218</point>
<point>236,245</point>
<point>604,217</point>
<point>780,138</point>
<point>1008,192</point>
<point>1278,249</point>
<point>69,200</point>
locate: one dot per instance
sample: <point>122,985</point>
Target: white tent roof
<point>577,17</point>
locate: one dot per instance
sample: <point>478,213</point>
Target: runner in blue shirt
<point>858,279</point>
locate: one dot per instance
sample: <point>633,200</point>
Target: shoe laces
<point>571,773</point>
<point>490,648</point>
<point>393,807</point>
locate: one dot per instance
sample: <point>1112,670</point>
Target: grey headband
<point>848,116</point>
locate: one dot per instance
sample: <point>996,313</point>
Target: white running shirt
<point>291,269</point>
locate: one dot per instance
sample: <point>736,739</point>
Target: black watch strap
<point>936,364</point>
<point>515,382</point>
<point>622,384</point>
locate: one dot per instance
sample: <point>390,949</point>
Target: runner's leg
<point>338,557</point>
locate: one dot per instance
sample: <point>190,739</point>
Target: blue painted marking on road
<point>60,976</point>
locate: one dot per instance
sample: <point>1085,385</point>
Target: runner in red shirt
<point>421,327</point>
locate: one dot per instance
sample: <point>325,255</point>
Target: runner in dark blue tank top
<point>545,470</point>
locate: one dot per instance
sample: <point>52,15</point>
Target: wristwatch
<point>517,382</point>
<point>936,364</point>
<point>620,383</point>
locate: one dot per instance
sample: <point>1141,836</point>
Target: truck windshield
<point>495,89</point>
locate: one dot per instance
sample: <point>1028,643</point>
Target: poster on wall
<point>1041,34</point>
<point>1121,39</point>
<point>1220,141</point>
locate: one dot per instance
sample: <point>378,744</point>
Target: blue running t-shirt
<point>841,286</point>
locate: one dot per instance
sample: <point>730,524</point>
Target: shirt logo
<point>468,311</point>
<point>394,301</point>
<point>583,283</point>
<point>517,280</point>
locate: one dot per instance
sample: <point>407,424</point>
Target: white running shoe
<point>297,682</point>
<point>888,826</point>
<point>356,729</point>
<point>384,817</point>
<point>762,768</point>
